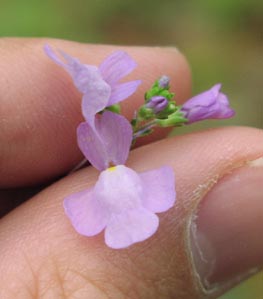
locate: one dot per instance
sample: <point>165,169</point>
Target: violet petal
<point>116,133</point>
<point>129,227</point>
<point>94,101</point>
<point>119,188</point>
<point>92,146</point>
<point>159,189</point>
<point>51,54</point>
<point>108,142</point>
<point>204,99</point>
<point>86,77</point>
<point>225,111</point>
<point>122,91</point>
<point>86,214</point>
<point>116,66</point>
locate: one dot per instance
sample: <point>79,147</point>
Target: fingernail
<point>226,232</point>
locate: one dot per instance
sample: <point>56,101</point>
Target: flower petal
<point>204,99</point>
<point>130,227</point>
<point>226,111</point>
<point>51,54</point>
<point>119,188</point>
<point>92,145</point>
<point>85,213</point>
<point>108,141</point>
<point>93,102</point>
<point>116,133</point>
<point>116,66</point>
<point>159,189</point>
<point>122,91</point>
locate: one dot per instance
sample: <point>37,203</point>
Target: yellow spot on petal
<point>113,168</point>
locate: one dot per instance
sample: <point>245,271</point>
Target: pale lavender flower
<point>211,104</point>
<point>157,103</point>
<point>99,85</point>
<point>122,201</point>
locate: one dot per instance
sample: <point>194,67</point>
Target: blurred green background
<point>222,39</point>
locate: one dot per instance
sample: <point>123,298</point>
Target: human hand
<point>41,254</point>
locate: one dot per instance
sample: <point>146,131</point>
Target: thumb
<point>199,250</point>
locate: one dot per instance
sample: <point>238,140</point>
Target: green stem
<point>140,130</point>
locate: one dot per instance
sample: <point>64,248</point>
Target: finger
<point>41,250</point>
<point>40,107</point>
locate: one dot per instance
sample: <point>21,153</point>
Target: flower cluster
<point>123,202</point>
<point>161,110</point>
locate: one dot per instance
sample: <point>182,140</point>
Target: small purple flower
<point>157,103</point>
<point>211,104</point>
<point>99,85</point>
<point>123,203</point>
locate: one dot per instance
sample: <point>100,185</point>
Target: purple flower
<point>99,85</point>
<point>157,103</point>
<point>209,104</point>
<point>123,203</point>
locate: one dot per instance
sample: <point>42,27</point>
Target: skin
<point>41,254</point>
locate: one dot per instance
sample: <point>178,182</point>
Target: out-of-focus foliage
<point>222,39</point>
<point>250,289</point>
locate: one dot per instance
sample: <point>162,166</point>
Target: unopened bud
<point>211,104</point>
<point>164,82</point>
<point>157,103</point>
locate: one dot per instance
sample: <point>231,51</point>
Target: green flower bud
<point>145,113</point>
<point>159,88</point>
